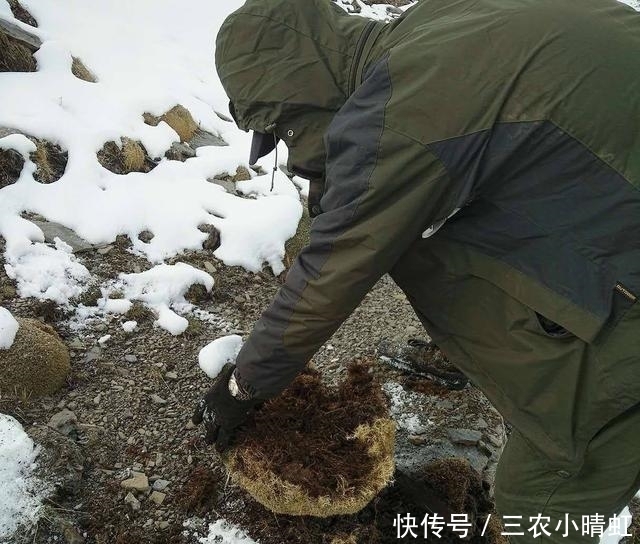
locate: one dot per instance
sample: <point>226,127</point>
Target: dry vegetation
<point>14,56</point>
<point>129,156</point>
<point>179,119</point>
<point>79,70</point>
<point>20,13</point>
<point>317,451</point>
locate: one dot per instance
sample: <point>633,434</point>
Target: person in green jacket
<point>486,155</point>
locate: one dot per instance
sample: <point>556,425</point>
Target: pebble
<point>137,482</point>
<point>105,250</point>
<point>163,525</point>
<point>65,422</point>
<point>97,399</point>
<point>132,501</point>
<point>465,437</point>
<point>161,485</point>
<point>157,399</point>
<point>130,358</point>
<point>171,376</point>
<point>417,440</point>
<point>157,497</point>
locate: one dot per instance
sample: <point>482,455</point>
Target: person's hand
<point>221,412</point>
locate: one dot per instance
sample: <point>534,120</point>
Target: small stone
<point>157,497</point>
<point>132,502</point>
<point>163,525</point>
<point>161,485</point>
<point>481,424</point>
<point>465,437</point>
<point>190,425</point>
<point>97,399</point>
<point>105,250</point>
<point>157,399</point>
<point>209,267</point>
<point>93,354</point>
<point>65,422</point>
<point>130,358</point>
<point>171,376</point>
<point>417,440</point>
<point>137,482</point>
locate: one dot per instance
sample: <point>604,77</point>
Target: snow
<point>152,66</point>
<point>129,326</point>
<point>20,498</point>
<point>8,328</point>
<point>218,353</point>
<point>633,3</point>
<point>104,339</point>
<point>223,532</point>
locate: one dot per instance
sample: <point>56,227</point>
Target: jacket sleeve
<point>383,189</point>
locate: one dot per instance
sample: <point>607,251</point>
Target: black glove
<point>221,412</point>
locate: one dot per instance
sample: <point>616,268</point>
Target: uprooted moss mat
<point>453,480</point>
<point>318,451</point>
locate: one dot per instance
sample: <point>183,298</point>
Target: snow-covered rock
<point>218,353</point>
<point>224,532</point>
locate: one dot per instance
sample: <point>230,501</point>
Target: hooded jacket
<point>504,133</point>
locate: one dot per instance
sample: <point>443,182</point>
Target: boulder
<point>37,364</point>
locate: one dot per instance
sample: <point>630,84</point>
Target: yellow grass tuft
<point>133,156</point>
<point>15,57</point>
<point>180,120</point>
<point>81,71</point>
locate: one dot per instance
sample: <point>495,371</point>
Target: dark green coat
<point>493,139</point>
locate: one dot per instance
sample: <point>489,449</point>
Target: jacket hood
<point>286,67</point>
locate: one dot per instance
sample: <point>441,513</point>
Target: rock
<point>171,376</point>
<point>163,525</point>
<point>157,399</point>
<point>160,485</point>
<point>180,152</point>
<point>61,460</point>
<point>417,440</point>
<point>157,497</point>
<point>105,250</point>
<point>465,437</point>
<point>53,230</point>
<point>65,422</point>
<point>210,267</point>
<point>227,184</point>
<point>93,354</point>
<point>132,502</point>
<point>203,138</point>
<point>130,358</point>
<point>137,482</point>
<point>37,364</point>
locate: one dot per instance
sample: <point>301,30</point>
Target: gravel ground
<point>131,400</point>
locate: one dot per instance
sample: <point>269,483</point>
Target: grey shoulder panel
<point>546,205</point>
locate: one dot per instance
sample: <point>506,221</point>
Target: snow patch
<point>104,339</point>
<point>8,328</point>
<point>635,4</point>
<point>218,353</point>
<point>223,532</point>
<point>129,326</point>
<point>20,500</point>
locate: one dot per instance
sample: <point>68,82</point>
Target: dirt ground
<point>133,398</point>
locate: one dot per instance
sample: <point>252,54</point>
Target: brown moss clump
<point>200,492</point>
<point>37,364</point>
<point>317,451</point>
<point>140,313</point>
<point>129,156</point>
<point>14,56</point>
<point>11,164</point>
<point>79,70</point>
<point>50,161</point>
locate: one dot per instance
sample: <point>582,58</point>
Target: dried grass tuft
<point>79,70</point>
<point>129,156</point>
<point>15,57</point>
<point>180,120</point>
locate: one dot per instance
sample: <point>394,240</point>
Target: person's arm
<point>383,189</point>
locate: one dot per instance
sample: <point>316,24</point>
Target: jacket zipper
<point>359,50</point>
